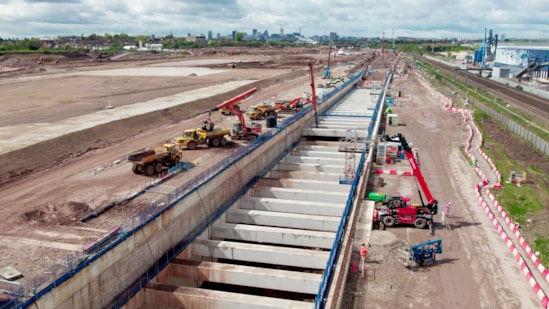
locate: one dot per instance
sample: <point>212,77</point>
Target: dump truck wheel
<point>420,223</point>
<point>136,170</point>
<point>149,170</point>
<point>388,221</point>
<point>191,145</point>
<point>223,141</point>
<point>215,142</point>
<point>158,167</point>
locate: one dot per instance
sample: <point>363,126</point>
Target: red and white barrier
<point>394,172</point>
<point>514,227</point>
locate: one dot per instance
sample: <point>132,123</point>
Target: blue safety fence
<point>329,271</point>
<point>58,274</point>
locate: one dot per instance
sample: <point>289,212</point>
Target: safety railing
<point>59,273</point>
<point>338,241</point>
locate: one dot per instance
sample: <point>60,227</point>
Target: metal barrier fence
<point>59,273</point>
<point>338,241</point>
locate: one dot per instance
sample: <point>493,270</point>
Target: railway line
<point>534,105</point>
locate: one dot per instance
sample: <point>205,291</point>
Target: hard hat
<point>449,203</point>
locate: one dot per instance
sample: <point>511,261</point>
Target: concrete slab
<point>291,206</point>
<point>303,184</point>
<point>310,167</point>
<point>300,195</point>
<point>247,276</point>
<point>285,220</point>
<point>331,132</point>
<point>303,175</point>
<point>315,160</point>
<point>273,235</point>
<point>292,257</point>
<point>161,295</point>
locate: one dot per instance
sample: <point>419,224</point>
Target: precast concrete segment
<point>246,276</point>
<point>305,184</point>
<point>257,253</point>
<point>351,121</point>
<point>273,235</point>
<point>284,166</point>
<point>161,295</point>
<point>292,206</point>
<point>315,160</point>
<point>303,175</point>
<point>331,132</point>
<point>300,195</point>
<point>334,147</point>
<point>285,220</point>
<point>318,154</point>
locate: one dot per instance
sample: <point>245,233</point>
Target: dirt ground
<point>48,187</point>
<point>476,269</point>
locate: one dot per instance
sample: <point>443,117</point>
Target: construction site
<point>248,178</point>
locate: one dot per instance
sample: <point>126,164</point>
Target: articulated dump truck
<point>153,160</point>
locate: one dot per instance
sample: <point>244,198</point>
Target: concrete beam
<point>285,256</point>
<point>331,132</point>
<point>248,276</point>
<point>309,167</point>
<point>319,154</point>
<point>280,219</point>
<point>292,206</point>
<point>273,235</point>
<point>315,160</point>
<point>162,295</point>
<point>303,184</point>
<point>325,146</point>
<point>303,175</point>
<point>299,195</point>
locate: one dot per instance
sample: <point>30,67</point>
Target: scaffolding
<point>350,148</point>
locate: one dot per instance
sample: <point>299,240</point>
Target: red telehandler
<point>240,130</point>
<point>399,210</point>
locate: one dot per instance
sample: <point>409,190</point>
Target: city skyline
<point>348,18</point>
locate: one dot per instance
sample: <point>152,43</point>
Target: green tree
<point>238,36</point>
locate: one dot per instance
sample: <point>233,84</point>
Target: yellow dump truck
<point>152,160</point>
<point>206,135</point>
<point>261,111</point>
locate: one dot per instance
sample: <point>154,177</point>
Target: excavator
<point>399,210</point>
<point>240,129</point>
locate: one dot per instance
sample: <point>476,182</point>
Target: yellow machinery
<point>152,160</point>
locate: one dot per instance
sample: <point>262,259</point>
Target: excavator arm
<point>235,108</point>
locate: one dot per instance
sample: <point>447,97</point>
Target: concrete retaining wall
<point>98,284</point>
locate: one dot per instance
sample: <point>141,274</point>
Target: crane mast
<point>431,202</point>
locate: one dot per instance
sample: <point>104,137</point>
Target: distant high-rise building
<point>254,33</point>
<point>281,32</point>
<point>209,34</point>
<point>333,36</point>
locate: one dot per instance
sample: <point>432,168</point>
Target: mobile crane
<point>240,130</point>
<point>398,210</point>
<point>327,74</point>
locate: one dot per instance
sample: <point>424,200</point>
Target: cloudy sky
<point>360,18</point>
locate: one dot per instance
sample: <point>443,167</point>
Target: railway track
<point>534,105</point>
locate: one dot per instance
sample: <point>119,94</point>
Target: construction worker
<point>363,252</point>
<point>448,209</point>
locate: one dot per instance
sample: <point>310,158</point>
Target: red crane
<point>313,94</point>
<point>240,130</point>
<point>431,202</point>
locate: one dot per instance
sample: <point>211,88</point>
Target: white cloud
<point>362,18</point>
